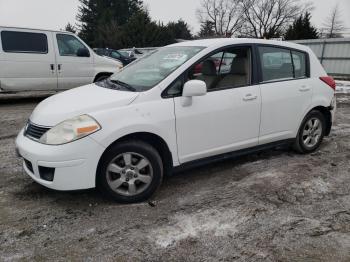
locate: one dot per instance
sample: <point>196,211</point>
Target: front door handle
<point>249,97</point>
<point>52,67</point>
<point>59,67</point>
<point>304,88</point>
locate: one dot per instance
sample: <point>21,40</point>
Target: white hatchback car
<point>181,104</point>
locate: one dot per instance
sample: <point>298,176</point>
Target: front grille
<point>34,131</point>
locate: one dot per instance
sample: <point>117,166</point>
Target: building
<point>334,55</point>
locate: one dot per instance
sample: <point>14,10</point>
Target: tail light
<point>329,81</point>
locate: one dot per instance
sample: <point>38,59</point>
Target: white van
<point>32,60</point>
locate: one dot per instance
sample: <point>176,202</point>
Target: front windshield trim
<point>153,68</point>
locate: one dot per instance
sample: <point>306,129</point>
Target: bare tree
<point>333,26</point>
<point>224,15</point>
<point>270,18</point>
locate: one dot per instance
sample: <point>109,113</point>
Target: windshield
<point>151,69</point>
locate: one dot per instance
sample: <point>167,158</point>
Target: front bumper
<point>75,163</point>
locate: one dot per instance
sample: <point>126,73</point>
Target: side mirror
<point>193,88</point>
<point>83,52</point>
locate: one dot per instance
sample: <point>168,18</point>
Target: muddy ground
<point>271,206</point>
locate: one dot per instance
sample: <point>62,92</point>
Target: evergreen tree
<point>179,30</point>
<point>141,31</point>
<point>301,29</point>
<point>93,14</point>
<point>70,28</point>
<point>206,30</point>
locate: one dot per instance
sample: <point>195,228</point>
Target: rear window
<point>24,42</point>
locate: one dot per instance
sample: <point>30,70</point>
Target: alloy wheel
<point>312,132</point>
<point>129,174</point>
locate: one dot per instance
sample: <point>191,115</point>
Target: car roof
<point>219,42</point>
<point>34,29</point>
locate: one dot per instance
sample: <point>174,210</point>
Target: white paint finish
<point>144,114</point>
<point>283,105</point>
<point>82,100</point>
<point>30,71</point>
<point>218,122</point>
<point>75,163</point>
<point>194,88</point>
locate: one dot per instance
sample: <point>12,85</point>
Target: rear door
<point>285,90</point>
<point>73,69</point>
<point>27,60</point>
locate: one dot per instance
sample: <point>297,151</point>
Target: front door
<point>227,118</point>
<point>75,68</point>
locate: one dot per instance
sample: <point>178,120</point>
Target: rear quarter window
<point>24,42</point>
<point>299,61</point>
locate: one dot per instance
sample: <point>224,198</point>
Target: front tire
<point>311,133</point>
<point>130,172</point>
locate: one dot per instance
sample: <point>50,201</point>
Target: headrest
<point>208,68</point>
<point>287,68</point>
<point>239,66</point>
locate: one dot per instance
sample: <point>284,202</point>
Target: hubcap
<point>312,132</point>
<point>129,174</point>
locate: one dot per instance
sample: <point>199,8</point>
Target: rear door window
<point>276,64</point>
<point>24,42</point>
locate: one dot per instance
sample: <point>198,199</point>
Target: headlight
<point>70,130</point>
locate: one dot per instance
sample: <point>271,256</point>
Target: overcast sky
<point>55,14</point>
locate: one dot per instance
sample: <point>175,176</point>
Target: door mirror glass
<point>194,88</point>
<point>83,52</point>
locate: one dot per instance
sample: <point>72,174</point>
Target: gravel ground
<point>271,206</point>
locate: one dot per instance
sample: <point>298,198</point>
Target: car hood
<point>79,101</point>
<point>105,60</point>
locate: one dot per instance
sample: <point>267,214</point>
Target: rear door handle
<point>304,89</point>
<point>52,67</point>
<point>249,97</point>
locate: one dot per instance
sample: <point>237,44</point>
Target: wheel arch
<point>154,140</point>
<point>327,114</point>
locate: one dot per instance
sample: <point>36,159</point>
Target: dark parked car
<point>123,57</point>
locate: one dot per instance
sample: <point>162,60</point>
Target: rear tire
<point>130,172</point>
<point>311,133</point>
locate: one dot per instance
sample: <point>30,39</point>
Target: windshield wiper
<point>125,85</point>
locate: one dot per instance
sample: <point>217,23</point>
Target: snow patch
<point>317,185</point>
<point>343,87</point>
<point>215,222</point>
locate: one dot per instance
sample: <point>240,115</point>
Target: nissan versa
<point>182,103</point>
